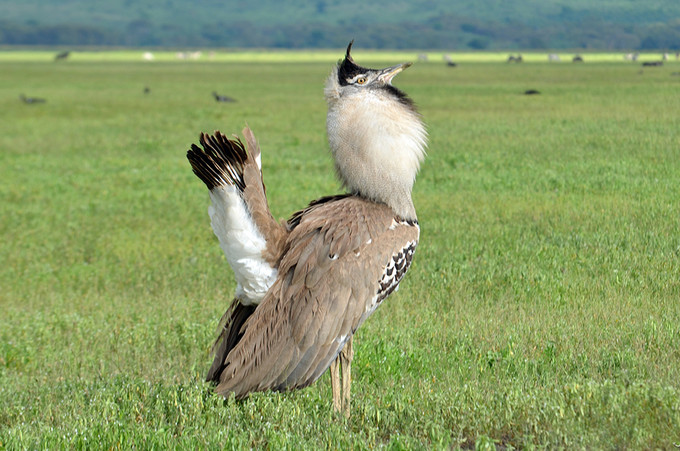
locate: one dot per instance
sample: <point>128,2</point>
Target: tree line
<point>441,32</point>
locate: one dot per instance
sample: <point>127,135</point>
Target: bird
<point>221,98</point>
<point>306,284</point>
<point>31,99</point>
<point>449,61</point>
<point>62,55</point>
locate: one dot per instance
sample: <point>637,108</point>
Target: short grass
<point>542,308</point>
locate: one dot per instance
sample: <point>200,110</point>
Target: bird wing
<point>342,258</point>
<point>248,234</point>
<point>251,239</point>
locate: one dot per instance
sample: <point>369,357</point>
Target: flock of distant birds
<point>148,56</point>
<point>61,56</point>
<point>147,90</point>
<point>554,57</point>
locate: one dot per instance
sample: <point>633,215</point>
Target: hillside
<point>436,24</point>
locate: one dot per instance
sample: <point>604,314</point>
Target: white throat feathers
<point>377,139</point>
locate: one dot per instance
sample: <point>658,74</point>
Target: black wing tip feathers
<point>220,162</point>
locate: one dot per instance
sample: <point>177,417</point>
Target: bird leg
<point>335,383</point>
<point>341,394</point>
<point>346,356</point>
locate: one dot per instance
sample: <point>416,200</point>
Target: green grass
<point>541,309</point>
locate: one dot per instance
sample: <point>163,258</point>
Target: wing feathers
<point>220,162</point>
<point>317,302</point>
<point>249,236</point>
<point>225,162</point>
<point>230,333</point>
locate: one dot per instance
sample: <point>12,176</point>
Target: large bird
<point>304,286</point>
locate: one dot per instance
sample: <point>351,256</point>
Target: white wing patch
<point>242,244</point>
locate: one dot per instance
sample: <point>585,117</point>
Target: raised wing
<point>248,234</point>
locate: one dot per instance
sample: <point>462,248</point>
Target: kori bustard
<point>305,285</point>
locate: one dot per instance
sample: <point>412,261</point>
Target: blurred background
<point>412,24</point>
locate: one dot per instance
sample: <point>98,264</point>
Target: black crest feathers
<point>347,68</point>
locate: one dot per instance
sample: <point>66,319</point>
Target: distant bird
<point>577,59</point>
<point>449,61</point>
<point>221,98</point>
<point>31,99</point>
<point>62,56</point>
<point>304,286</point>
<point>530,92</point>
<point>147,90</point>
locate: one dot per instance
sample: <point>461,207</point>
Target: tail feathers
<point>220,162</point>
<point>253,146</point>
<point>230,334</point>
<point>240,203</point>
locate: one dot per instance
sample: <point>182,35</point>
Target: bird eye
<point>361,80</point>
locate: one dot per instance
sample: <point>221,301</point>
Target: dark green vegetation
<point>424,24</point>
<point>541,308</point>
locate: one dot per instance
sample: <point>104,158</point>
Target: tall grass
<point>541,308</point>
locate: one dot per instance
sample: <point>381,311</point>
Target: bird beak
<point>387,74</point>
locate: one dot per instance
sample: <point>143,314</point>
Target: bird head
<point>351,78</point>
<point>350,73</point>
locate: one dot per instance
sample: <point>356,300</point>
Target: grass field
<point>542,309</point>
